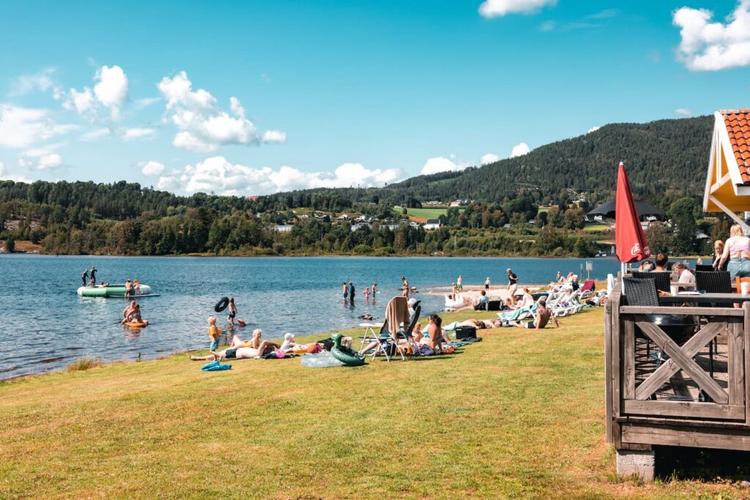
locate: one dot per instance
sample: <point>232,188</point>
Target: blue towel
<point>215,366</point>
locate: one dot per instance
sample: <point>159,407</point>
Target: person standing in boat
<point>93,275</point>
<point>85,277</point>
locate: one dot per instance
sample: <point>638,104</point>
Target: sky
<point>256,97</point>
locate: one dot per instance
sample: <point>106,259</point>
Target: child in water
<point>214,333</point>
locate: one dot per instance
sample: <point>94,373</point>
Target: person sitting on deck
<point>541,317</point>
<point>718,253</point>
<point>662,262</point>
<point>685,278</point>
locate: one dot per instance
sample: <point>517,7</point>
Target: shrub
<point>83,364</point>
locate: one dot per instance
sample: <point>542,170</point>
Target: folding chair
<point>399,314</point>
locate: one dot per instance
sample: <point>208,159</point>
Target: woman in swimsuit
<point>737,251</point>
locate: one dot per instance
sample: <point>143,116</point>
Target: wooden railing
<point>668,384</point>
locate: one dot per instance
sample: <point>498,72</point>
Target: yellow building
<point>728,179</point>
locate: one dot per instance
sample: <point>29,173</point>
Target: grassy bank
<point>521,413</point>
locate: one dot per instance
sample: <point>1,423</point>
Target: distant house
<point>359,225</point>
<point>432,224</point>
<point>283,228</point>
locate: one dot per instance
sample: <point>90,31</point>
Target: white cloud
<point>593,129</point>
<point>81,102</point>
<point>713,46</point>
<point>683,112</point>
<point>498,8</point>
<point>21,127</point>
<point>440,164</point>
<point>152,168</point>
<point>137,132</point>
<point>217,175</point>
<point>95,134</point>
<point>111,88</point>
<point>274,136</point>
<point>110,92</point>
<point>41,82</point>
<point>519,150</point>
<point>40,159</point>
<point>145,102</point>
<point>489,158</point>
<point>202,125</point>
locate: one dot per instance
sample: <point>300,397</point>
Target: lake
<point>47,325</point>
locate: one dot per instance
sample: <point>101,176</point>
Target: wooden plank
<point>615,368</point>
<point>670,367</point>
<point>735,369</point>
<point>685,424</point>
<point>609,417</point>
<point>725,439</point>
<point>684,409</point>
<point>628,359</point>
<point>682,311</point>
<point>686,363</point>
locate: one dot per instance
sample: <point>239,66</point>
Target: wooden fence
<point>677,386</point>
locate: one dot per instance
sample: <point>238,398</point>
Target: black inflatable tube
<point>222,304</point>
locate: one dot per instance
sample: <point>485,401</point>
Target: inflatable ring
<point>222,304</point>
<point>137,324</point>
<point>344,354</point>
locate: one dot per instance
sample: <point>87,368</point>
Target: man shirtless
<point>541,317</point>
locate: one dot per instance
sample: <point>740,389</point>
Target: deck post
<point>639,463</point>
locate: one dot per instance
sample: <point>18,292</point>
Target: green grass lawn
<point>596,228</point>
<point>427,213</point>
<point>519,414</point>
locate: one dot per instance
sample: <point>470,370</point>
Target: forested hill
<point>660,157</point>
<point>665,160</point>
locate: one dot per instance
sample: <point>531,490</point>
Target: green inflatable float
<point>345,354</point>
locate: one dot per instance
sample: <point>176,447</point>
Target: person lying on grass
<point>240,349</point>
<point>541,317</point>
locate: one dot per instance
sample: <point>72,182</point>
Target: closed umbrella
<point>630,240</point>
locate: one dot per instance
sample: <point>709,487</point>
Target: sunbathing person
<point>240,349</point>
<point>541,317</point>
<point>481,324</point>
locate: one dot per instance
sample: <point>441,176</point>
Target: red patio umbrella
<point>630,241</point>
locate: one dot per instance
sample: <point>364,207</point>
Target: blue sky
<point>343,93</point>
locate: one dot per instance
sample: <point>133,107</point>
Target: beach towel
<point>215,366</point>
<point>396,312</point>
<point>518,314</point>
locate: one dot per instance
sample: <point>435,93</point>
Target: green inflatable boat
<point>344,354</point>
<point>112,291</point>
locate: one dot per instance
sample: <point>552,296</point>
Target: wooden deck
<point>679,385</point>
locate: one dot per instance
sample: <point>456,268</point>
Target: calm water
<point>47,326</point>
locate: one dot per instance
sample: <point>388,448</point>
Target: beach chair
<point>396,315</point>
